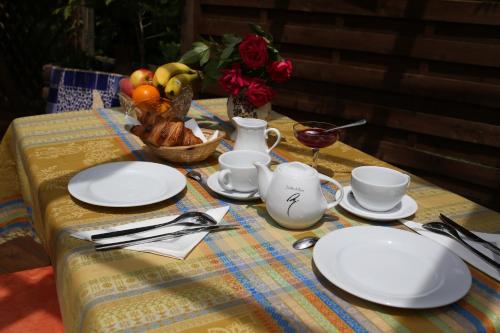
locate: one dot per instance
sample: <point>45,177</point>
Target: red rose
<point>232,80</point>
<point>258,93</point>
<point>280,71</point>
<point>253,51</point>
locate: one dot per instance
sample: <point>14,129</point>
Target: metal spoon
<point>305,243</point>
<point>195,175</point>
<point>187,219</point>
<point>357,123</point>
<point>444,229</point>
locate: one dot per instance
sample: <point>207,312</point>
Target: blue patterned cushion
<point>71,89</point>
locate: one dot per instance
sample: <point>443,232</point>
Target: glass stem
<point>315,158</point>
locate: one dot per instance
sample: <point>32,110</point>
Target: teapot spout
<point>264,177</point>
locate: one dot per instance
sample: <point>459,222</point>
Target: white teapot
<point>293,194</point>
<point>252,135</point>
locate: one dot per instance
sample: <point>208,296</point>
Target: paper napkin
<point>176,247</point>
<point>463,252</point>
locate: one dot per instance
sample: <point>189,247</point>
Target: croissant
<point>189,138</point>
<point>166,133</point>
<point>139,130</point>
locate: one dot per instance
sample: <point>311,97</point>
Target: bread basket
<point>189,154</point>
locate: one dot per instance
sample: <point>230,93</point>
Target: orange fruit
<point>146,94</point>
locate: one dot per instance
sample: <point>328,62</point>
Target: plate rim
<point>375,299</point>
<point>348,190</point>
<point>169,194</point>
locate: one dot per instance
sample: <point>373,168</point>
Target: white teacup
<point>377,188</point>
<point>237,170</point>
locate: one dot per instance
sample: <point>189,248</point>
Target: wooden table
<point>237,281</point>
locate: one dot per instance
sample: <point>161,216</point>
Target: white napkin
<point>193,126</point>
<point>176,247</point>
<point>461,251</point>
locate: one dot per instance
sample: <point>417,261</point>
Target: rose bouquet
<point>244,67</point>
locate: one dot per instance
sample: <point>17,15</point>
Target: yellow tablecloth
<point>249,280</point>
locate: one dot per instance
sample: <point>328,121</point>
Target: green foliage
<point>147,31</point>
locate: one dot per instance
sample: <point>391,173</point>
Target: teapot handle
<point>278,138</point>
<point>339,193</point>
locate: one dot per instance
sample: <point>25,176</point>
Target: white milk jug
<point>252,135</point>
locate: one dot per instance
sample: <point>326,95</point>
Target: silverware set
<point>194,221</point>
<point>453,230</point>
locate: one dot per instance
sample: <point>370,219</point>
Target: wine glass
<point>315,134</point>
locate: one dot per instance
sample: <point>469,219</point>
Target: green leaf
<point>274,54</point>
<point>226,53</point>
<point>200,45</point>
<point>67,12</point>
<point>257,29</point>
<point>204,57</point>
<point>230,39</point>
<point>211,70</point>
<point>190,57</point>
<point>200,48</point>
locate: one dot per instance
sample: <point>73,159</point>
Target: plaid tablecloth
<point>248,280</point>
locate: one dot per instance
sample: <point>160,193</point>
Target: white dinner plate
<point>214,185</point>
<point>126,184</point>
<point>392,267</point>
<point>405,208</point>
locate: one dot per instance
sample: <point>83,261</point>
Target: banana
<point>167,71</point>
<point>175,84</point>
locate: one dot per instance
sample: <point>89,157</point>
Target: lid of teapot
<point>296,170</point>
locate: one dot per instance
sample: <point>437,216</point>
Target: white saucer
<point>405,208</point>
<point>213,183</point>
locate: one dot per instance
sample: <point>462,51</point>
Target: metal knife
<point>170,235</point>
<point>469,234</point>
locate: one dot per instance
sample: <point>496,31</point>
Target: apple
<point>141,76</point>
<point>126,86</point>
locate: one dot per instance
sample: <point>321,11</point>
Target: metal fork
<point>170,235</point>
<point>199,218</point>
<point>446,230</point>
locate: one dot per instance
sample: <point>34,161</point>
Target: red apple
<point>126,86</point>
<point>141,76</point>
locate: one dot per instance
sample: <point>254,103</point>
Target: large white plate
<point>405,208</point>
<point>126,184</point>
<point>392,267</point>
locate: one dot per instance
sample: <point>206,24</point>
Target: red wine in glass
<point>316,137</point>
<point>315,134</point>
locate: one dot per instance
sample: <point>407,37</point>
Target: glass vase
<point>239,106</point>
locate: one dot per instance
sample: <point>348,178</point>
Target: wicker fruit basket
<point>180,105</point>
<point>189,154</point>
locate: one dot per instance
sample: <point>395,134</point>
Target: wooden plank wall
<point>425,73</point>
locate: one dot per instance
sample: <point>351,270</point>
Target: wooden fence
<point>425,73</point>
